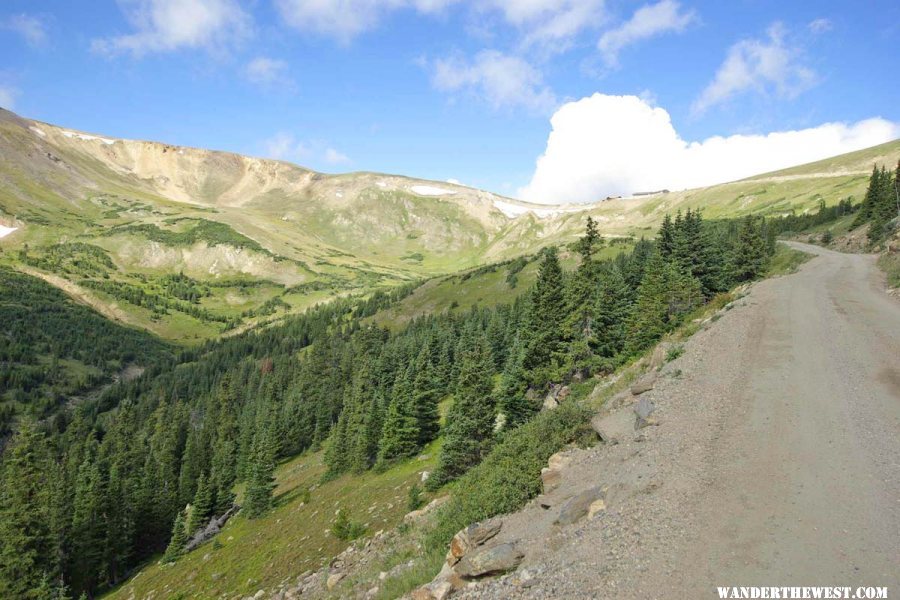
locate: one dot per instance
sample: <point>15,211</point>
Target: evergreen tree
<point>400,437</point>
<point>665,241</point>
<point>470,421</point>
<point>514,403</point>
<point>178,540</point>
<point>750,258</point>
<point>88,528</point>
<point>202,506</point>
<point>425,396</point>
<point>26,545</point>
<point>612,310</point>
<point>869,201</point>
<point>649,315</point>
<point>883,205</point>
<point>261,477</point>
<point>544,332</point>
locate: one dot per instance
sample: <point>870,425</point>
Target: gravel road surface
<point>776,461</point>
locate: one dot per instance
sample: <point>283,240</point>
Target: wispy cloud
<point>648,21</point>
<point>764,66</point>
<point>168,25</point>
<point>551,24</point>
<point>346,19</point>
<point>500,79</point>
<point>31,28</point>
<point>268,72</point>
<point>286,146</point>
<point>820,25</point>
<point>8,95</point>
<point>335,157</point>
<point>538,21</point>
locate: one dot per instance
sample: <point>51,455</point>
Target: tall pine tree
<point>470,421</point>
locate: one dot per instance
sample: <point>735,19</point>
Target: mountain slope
<point>256,239</point>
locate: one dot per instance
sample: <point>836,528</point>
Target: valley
<point>367,364</point>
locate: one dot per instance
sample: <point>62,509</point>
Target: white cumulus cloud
<point>647,22</point>
<point>167,25</point>
<point>617,145</point>
<point>500,79</point>
<point>760,65</point>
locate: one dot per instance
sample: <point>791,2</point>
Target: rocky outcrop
<point>472,536</point>
<point>417,515</point>
<point>551,475</point>
<point>557,395</point>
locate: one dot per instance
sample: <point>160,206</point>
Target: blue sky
<point>454,89</point>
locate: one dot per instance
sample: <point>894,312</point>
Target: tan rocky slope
<point>375,217</point>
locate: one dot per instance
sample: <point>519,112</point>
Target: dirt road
<point>776,463</point>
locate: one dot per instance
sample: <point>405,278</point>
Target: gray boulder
<point>642,410</point>
<point>578,506</point>
<point>615,427</point>
<point>490,561</point>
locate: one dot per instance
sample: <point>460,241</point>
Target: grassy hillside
<point>294,537</point>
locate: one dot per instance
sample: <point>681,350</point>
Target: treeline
<point>881,205</point>
<point>824,214</point>
<point>84,499</point>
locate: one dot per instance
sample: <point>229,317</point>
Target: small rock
<point>488,561</point>
<point>333,580</point>
<point>642,410</point>
<point>559,460</point>
<point>259,594</point>
<point>644,383</point>
<point>550,479</point>
<point>615,427</point>
<point>578,506</point>
<point>425,476</point>
<point>596,507</point>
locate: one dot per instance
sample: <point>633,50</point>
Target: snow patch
<point>510,210</point>
<point>428,190</point>
<point>88,138</point>
<point>5,231</point>
<point>38,131</point>
<point>516,210</point>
